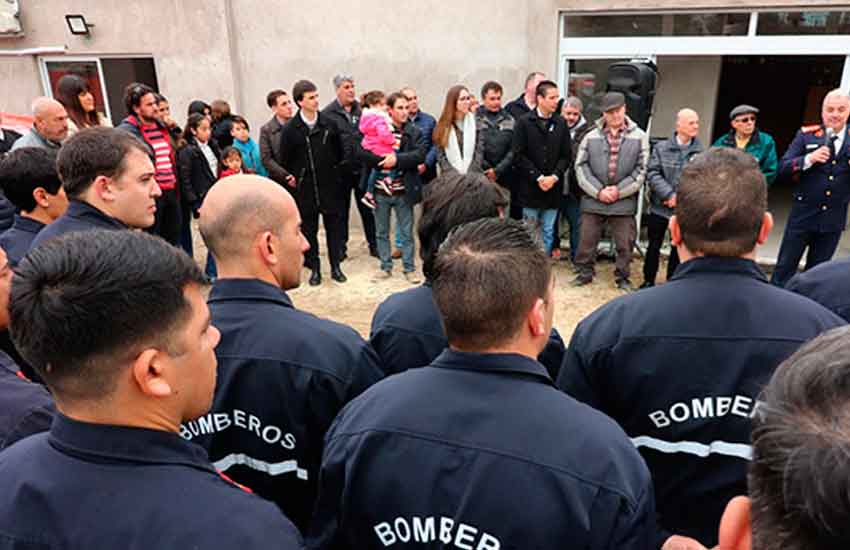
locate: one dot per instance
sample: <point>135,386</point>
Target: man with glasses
<point>745,136</point>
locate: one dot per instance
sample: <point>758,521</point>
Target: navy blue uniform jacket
<point>84,486</point>
<point>16,240</point>
<point>283,375</point>
<point>80,216</point>
<point>827,284</point>
<point>680,368</point>
<point>27,408</point>
<point>407,332</point>
<point>820,197</point>
<point>479,451</point>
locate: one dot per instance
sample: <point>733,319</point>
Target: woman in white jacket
<point>460,147</point>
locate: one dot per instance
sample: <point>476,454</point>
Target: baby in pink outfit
<point>378,138</point>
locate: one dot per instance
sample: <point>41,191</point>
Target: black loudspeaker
<point>637,82</point>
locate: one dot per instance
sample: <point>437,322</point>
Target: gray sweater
<point>592,169</point>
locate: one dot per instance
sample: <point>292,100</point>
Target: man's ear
<point>766,227</point>
<point>149,374</point>
<point>265,245</point>
<point>104,187</point>
<point>675,231</point>
<point>39,194</point>
<point>536,318</point>
<point>736,526</point>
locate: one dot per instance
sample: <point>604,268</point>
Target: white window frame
<point>45,75</point>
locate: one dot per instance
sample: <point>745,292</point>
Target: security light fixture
<point>77,25</point>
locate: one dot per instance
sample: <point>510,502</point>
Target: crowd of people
<point>139,410</point>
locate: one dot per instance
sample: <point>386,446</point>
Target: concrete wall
<point>686,82</point>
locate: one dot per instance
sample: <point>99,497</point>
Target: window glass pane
<point>690,24</point>
<point>711,24</point>
<point>587,81</point>
<point>804,22</point>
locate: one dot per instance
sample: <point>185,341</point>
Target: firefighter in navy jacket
<point>283,374</point>
<point>819,160</point>
<point>479,449</point>
<point>680,366</point>
<point>122,338</point>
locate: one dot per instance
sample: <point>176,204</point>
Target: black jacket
<point>16,240</point>
<point>410,155</point>
<point>9,138</point>
<point>827,284</point>
<point>194,174</point>
<point>680,368</point>
<point>314,157</point>
<point>541,148</point>
<point>84,485</point>
<point>517,108</point>
<point>221,132</point>
<point>350,136</point>
<point>27,407</point>
<point>283,375</point>
<point>80,216</point>
<point>498,135</point>
<point>407,332</point>
<point>479,451</point>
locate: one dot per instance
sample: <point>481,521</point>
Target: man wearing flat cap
<point>745,136</point>
<point>610,167</point>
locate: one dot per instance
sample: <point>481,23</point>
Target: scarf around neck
<point>461,161</point>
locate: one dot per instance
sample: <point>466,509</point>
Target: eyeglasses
<point>746,119</point>
<point>464,98</point>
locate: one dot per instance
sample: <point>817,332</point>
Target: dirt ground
<point>353,303</point>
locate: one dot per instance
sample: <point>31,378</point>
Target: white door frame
<point>45,76</point>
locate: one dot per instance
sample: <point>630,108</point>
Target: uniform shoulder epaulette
<point>810,128</point>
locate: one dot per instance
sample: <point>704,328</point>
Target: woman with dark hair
<point>200,107</point>
<point>457,136</point>
<point>74,93</point>
<point>222,123</point>
<point>197,170</point>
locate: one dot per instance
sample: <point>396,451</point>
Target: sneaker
<point>369,201</point>
<point>647,284</point>
<point>625,285</point>
<point>384,275</point>
<point>581,281</point>
<point>384,185</point>
<point>412,278</point>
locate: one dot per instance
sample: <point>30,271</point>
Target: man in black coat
<point>497,130</point>
<point>542,154</point>
<point>345,112</point>
<point>311,149</point>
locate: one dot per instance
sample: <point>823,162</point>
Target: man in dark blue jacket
<point>109,179</point>
<point>283,374</point>
<point>680,366</point>
<point>29,180</point>
<point>115,322</point>
<point>27,407</point>
<point>827,284</point>
<point>820,157</point>
<point>406,329</point>
<point>478,449</point>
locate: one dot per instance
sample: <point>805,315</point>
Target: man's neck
<point>543,114</point>
<point>94,201</point>
<point>743,137</point>
<point>281,121</point>
<point>347,107</point>
<point>309,116</point>
<point>531,102</point>
<point>118,412</point>
<point>413,114</point>
<point>682,140</point>
<point>240,269</point>
<point>39,215</point>
<point>527,348</point>
<point>145,121</point>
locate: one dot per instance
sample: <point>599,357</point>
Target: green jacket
<point>761,146</point>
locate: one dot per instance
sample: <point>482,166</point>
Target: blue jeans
<point>571,211</point>
<point>404,219</point>
<point>546,218</point>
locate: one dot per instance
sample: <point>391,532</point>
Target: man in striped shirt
<point>140,100</point>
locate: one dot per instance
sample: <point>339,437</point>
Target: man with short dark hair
<point>345,111</point>
<point>27,407</point>
<point>142,122</point>
<point>115,323</point>
<point>680,366</point>
<point>570,210</point>
<point>49,128</point>
<point>406,328</point>
<point>497,130</point>
<point>281,106</point>
<point>745,136</point>
<point>109,179</point>
<point>611,168</point>
<point>282,373</point>
<point>402,193</point>
<point>798,479</point>
<point>311,149</point>
<point>488,453</point>
<point>29,180</point>
<point>542,154</point>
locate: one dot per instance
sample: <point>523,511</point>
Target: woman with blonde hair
<point>457,137</point>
